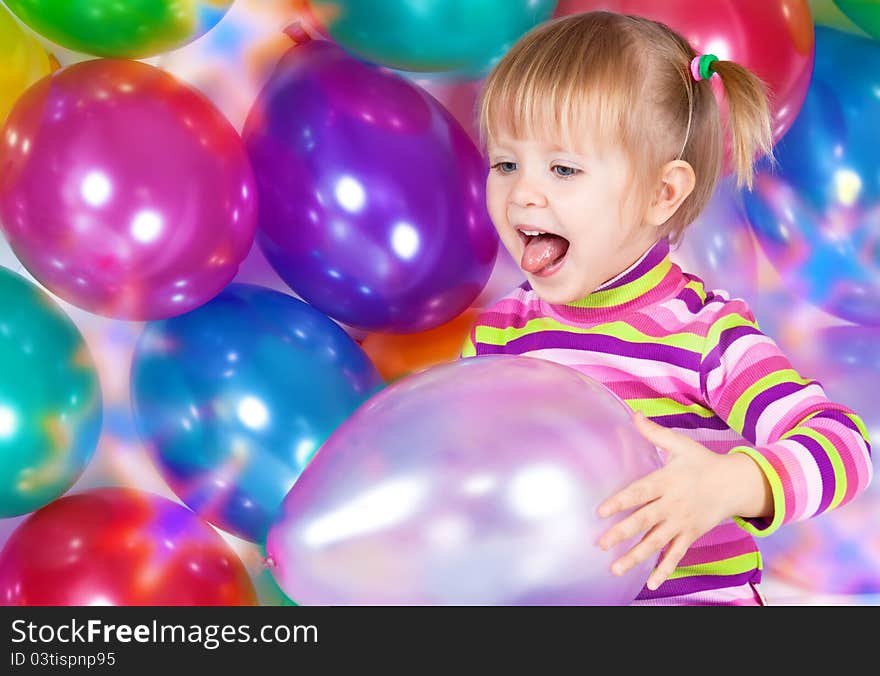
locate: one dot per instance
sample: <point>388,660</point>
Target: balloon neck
<point>297,33</point>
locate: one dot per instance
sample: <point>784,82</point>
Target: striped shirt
<point>695,361</point>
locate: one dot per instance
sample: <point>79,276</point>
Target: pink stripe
<point>666,315</point>
<point>627,388</point>
<point>650,326</point>
<point>705,550</point>
<point>738,379</point>
<point>810,404</point>
<point>795,491</point>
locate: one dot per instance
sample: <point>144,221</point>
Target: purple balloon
<point>125,192</point>
<point>471,482</point>
<point>372,196</point>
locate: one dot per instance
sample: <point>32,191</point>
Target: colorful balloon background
<point>234,398</point>
<point>816,212</point>
<point>836,555</point>
<point>132,29</point>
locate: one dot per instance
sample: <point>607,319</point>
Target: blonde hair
<point>595,67</point>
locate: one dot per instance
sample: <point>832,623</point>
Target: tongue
<point>541,251</point>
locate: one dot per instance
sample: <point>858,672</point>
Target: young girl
<point>605,142</point>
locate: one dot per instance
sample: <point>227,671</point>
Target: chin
<point>554,296</point>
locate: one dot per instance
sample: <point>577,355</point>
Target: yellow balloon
<point>23,61</point>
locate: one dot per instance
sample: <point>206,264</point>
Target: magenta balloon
<point>372,196</point>
<point>474,482</point>
<point>124,191</point>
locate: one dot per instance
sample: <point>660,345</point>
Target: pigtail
<point>749,122</point>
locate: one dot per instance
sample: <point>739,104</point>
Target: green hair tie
<point>701,66</point>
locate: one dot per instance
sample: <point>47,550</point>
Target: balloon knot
<point>297,33</point>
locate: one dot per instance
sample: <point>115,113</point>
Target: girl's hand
<point>673,506</point>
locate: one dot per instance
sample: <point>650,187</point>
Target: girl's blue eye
<point>505,167</point>
<point>564,172</point>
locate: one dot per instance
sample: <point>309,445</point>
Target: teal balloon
<point>233,399</point>
<point>463,36</point>
<point>50,398</point>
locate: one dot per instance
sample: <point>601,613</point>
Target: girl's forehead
<point>551,136</point>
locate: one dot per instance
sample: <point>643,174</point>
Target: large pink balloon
<point>470,482</point>
<point>124,191</point>
<point>772,38</point>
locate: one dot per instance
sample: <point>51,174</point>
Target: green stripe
<point>468,349</point>
<point>657,406</point>
<point>775,489</point>
<point>626,292</point>
<point>698,288</point>
<point>501,336</point>
<point>860,425</point>
<point>833,456</point>
<point>740,407</point>
<point>734,565</point>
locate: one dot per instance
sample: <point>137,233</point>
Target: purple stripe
<point>826,469</point>
<point>483,349</point>
<point>759,404</point>
<point>675,356</point>
<point>650,261</point>
<point>692,299</point>
<point>699,583</point>
<point>690,421</point>
<point>713,358</point>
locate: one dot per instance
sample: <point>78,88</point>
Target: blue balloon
<point>232,400</point>
<point>817,213</point>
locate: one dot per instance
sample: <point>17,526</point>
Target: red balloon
<point>122,547</point>
<point>773,38</point>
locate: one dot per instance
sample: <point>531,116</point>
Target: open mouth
<point>543,252</point>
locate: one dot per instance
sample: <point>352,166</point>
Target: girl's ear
<point>677,181</point>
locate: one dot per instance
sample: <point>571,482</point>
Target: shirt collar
<point>653,277</point>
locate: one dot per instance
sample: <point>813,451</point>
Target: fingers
<point>668,563</point>
<point>639,521</point>
<point>648,548</point>
<point>638,493</point>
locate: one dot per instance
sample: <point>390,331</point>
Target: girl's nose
<point>527,193</point>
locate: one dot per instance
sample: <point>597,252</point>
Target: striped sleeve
<point>814,452</point>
